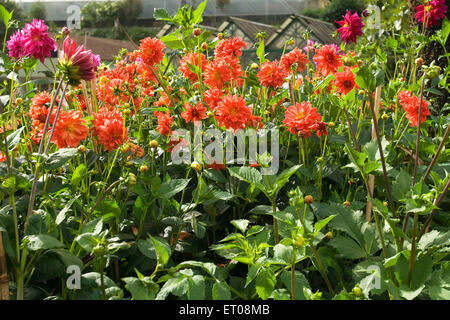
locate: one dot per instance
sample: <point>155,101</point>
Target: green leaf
<point>421,271</point>
<point>445,30</point>
<point>439,293</point>
<point>86,241</point>
<point>5,15</point>
<point>141,290</point>
<point>409,294</point>
<point>197,288</point>
<point>265,283</point>
<point>260,51</point>
<point>161,14</point>
<point>347,247</point>
<point>59,158</point>
<point>55,262</point>
<point>241,224</point>
<point>42,242</point>
<point>247,174</point>
<point>349,221</point>
<point>62,214</point>
<point>283,252</point>
<point>322,223</point>
<point>220,291</point>
<point>162,249</point>
<point>356,157</point>
<point>401,185</point>
<point>78,175</point>
<point>14,138</point>
<point>197,14</point>
<point>170,188</point>
<point>300,283</point>
<point>284,176</point>
<point>178,286</point>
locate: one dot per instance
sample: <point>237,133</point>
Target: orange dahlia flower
<point>70,129</point>
<point>327,59</point>
<point>109,128</point>
<point>295,56</point>
<point>232,112</point>
<point>151,51</point>
<point>271,74</point>
<point>410,104</point>
<point>301,118</point>
<point>194,113</point>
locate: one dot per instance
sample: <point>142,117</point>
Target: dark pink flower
<point>15,45</point>
<point>36,40</point>
<point>76,62</point>
<point>351,27</point>
<point>431,12</point>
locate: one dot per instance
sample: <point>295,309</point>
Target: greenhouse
<point>224,159</point>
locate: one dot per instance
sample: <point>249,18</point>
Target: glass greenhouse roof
<point>56,9</point>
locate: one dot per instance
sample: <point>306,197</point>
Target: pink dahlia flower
<point>431,12</point>
<point>36,40</point>
<point>77,63</point>
<point>351,27</point>
<point>15,45</point>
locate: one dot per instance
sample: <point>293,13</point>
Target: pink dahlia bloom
<point>431,12</point>
<point>77,63</point>
<point>351,27</point>
<point>36,41</point>
<point>15,45</point>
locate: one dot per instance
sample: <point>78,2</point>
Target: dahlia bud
<point>384,116</point>
<point>196,166</point>
<point>309,199</point>
<point>77,63</point>
<point>65,31</point>
<point>329,235</point>
<point>19,101</point>
<point>331,124</point>
<point>357,291</point>
<point>290,42</point>
<point>220,36</point>
<point>204,46</point>
<point>143,169</point>
<point>319,160</point>
<point>385,203</point>
<point>365,13</point>
<point>347,204</point>
<point>153,144</point>
<point>419,62</point>
<point>129,163</point>
<point>299,241</point>
<point>254,66</point>
<point>186,51</point>
<point>82,148</point>
<point>127,112</point>
<point>125,148</point>
<point>131,179</point>
<point>197,32</point>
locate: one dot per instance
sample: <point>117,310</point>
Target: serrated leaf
<point>220,291</point>
<point>347,247</point>
<point>42,242</point>
<point>241,224</point>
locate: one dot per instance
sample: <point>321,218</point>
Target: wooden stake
<point>4,280</point>
<point>371,182</point>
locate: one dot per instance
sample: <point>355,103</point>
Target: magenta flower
<point>431,12</point>
<point>351,27</point>
<point>77,63</point>
<point>15,45</point>
<point>36,41</point>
